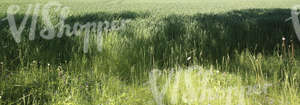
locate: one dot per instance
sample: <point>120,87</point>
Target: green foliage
<point>237,47</point>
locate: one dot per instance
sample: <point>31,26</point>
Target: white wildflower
<point>189,58</point>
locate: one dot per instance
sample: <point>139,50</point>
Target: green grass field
<point>171,52</point>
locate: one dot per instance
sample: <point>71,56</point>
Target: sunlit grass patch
<point>197,86</point>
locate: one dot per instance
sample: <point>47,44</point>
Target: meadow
<point>171,52</point>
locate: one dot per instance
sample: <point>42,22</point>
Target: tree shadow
<point>172,38</point>
<point>207,38</point>
<point>218,35</point>
<point>54,51</point>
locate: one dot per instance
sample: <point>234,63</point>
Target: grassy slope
<point>56,71</point>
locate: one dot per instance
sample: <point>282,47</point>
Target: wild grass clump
<point>197,85</point>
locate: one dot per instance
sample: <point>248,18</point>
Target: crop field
<point>149,52</point>
<point>158,6</point>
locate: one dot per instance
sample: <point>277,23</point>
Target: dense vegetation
<point>210,52</point>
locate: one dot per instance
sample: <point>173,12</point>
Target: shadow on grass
<point>53,51</point>
<point>172,39</point>
<point>218,35</point>
<point>208,38</point>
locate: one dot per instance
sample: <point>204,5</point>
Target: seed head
<point>189,58</point>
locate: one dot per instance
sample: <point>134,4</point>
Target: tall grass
<point>234,49</point>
